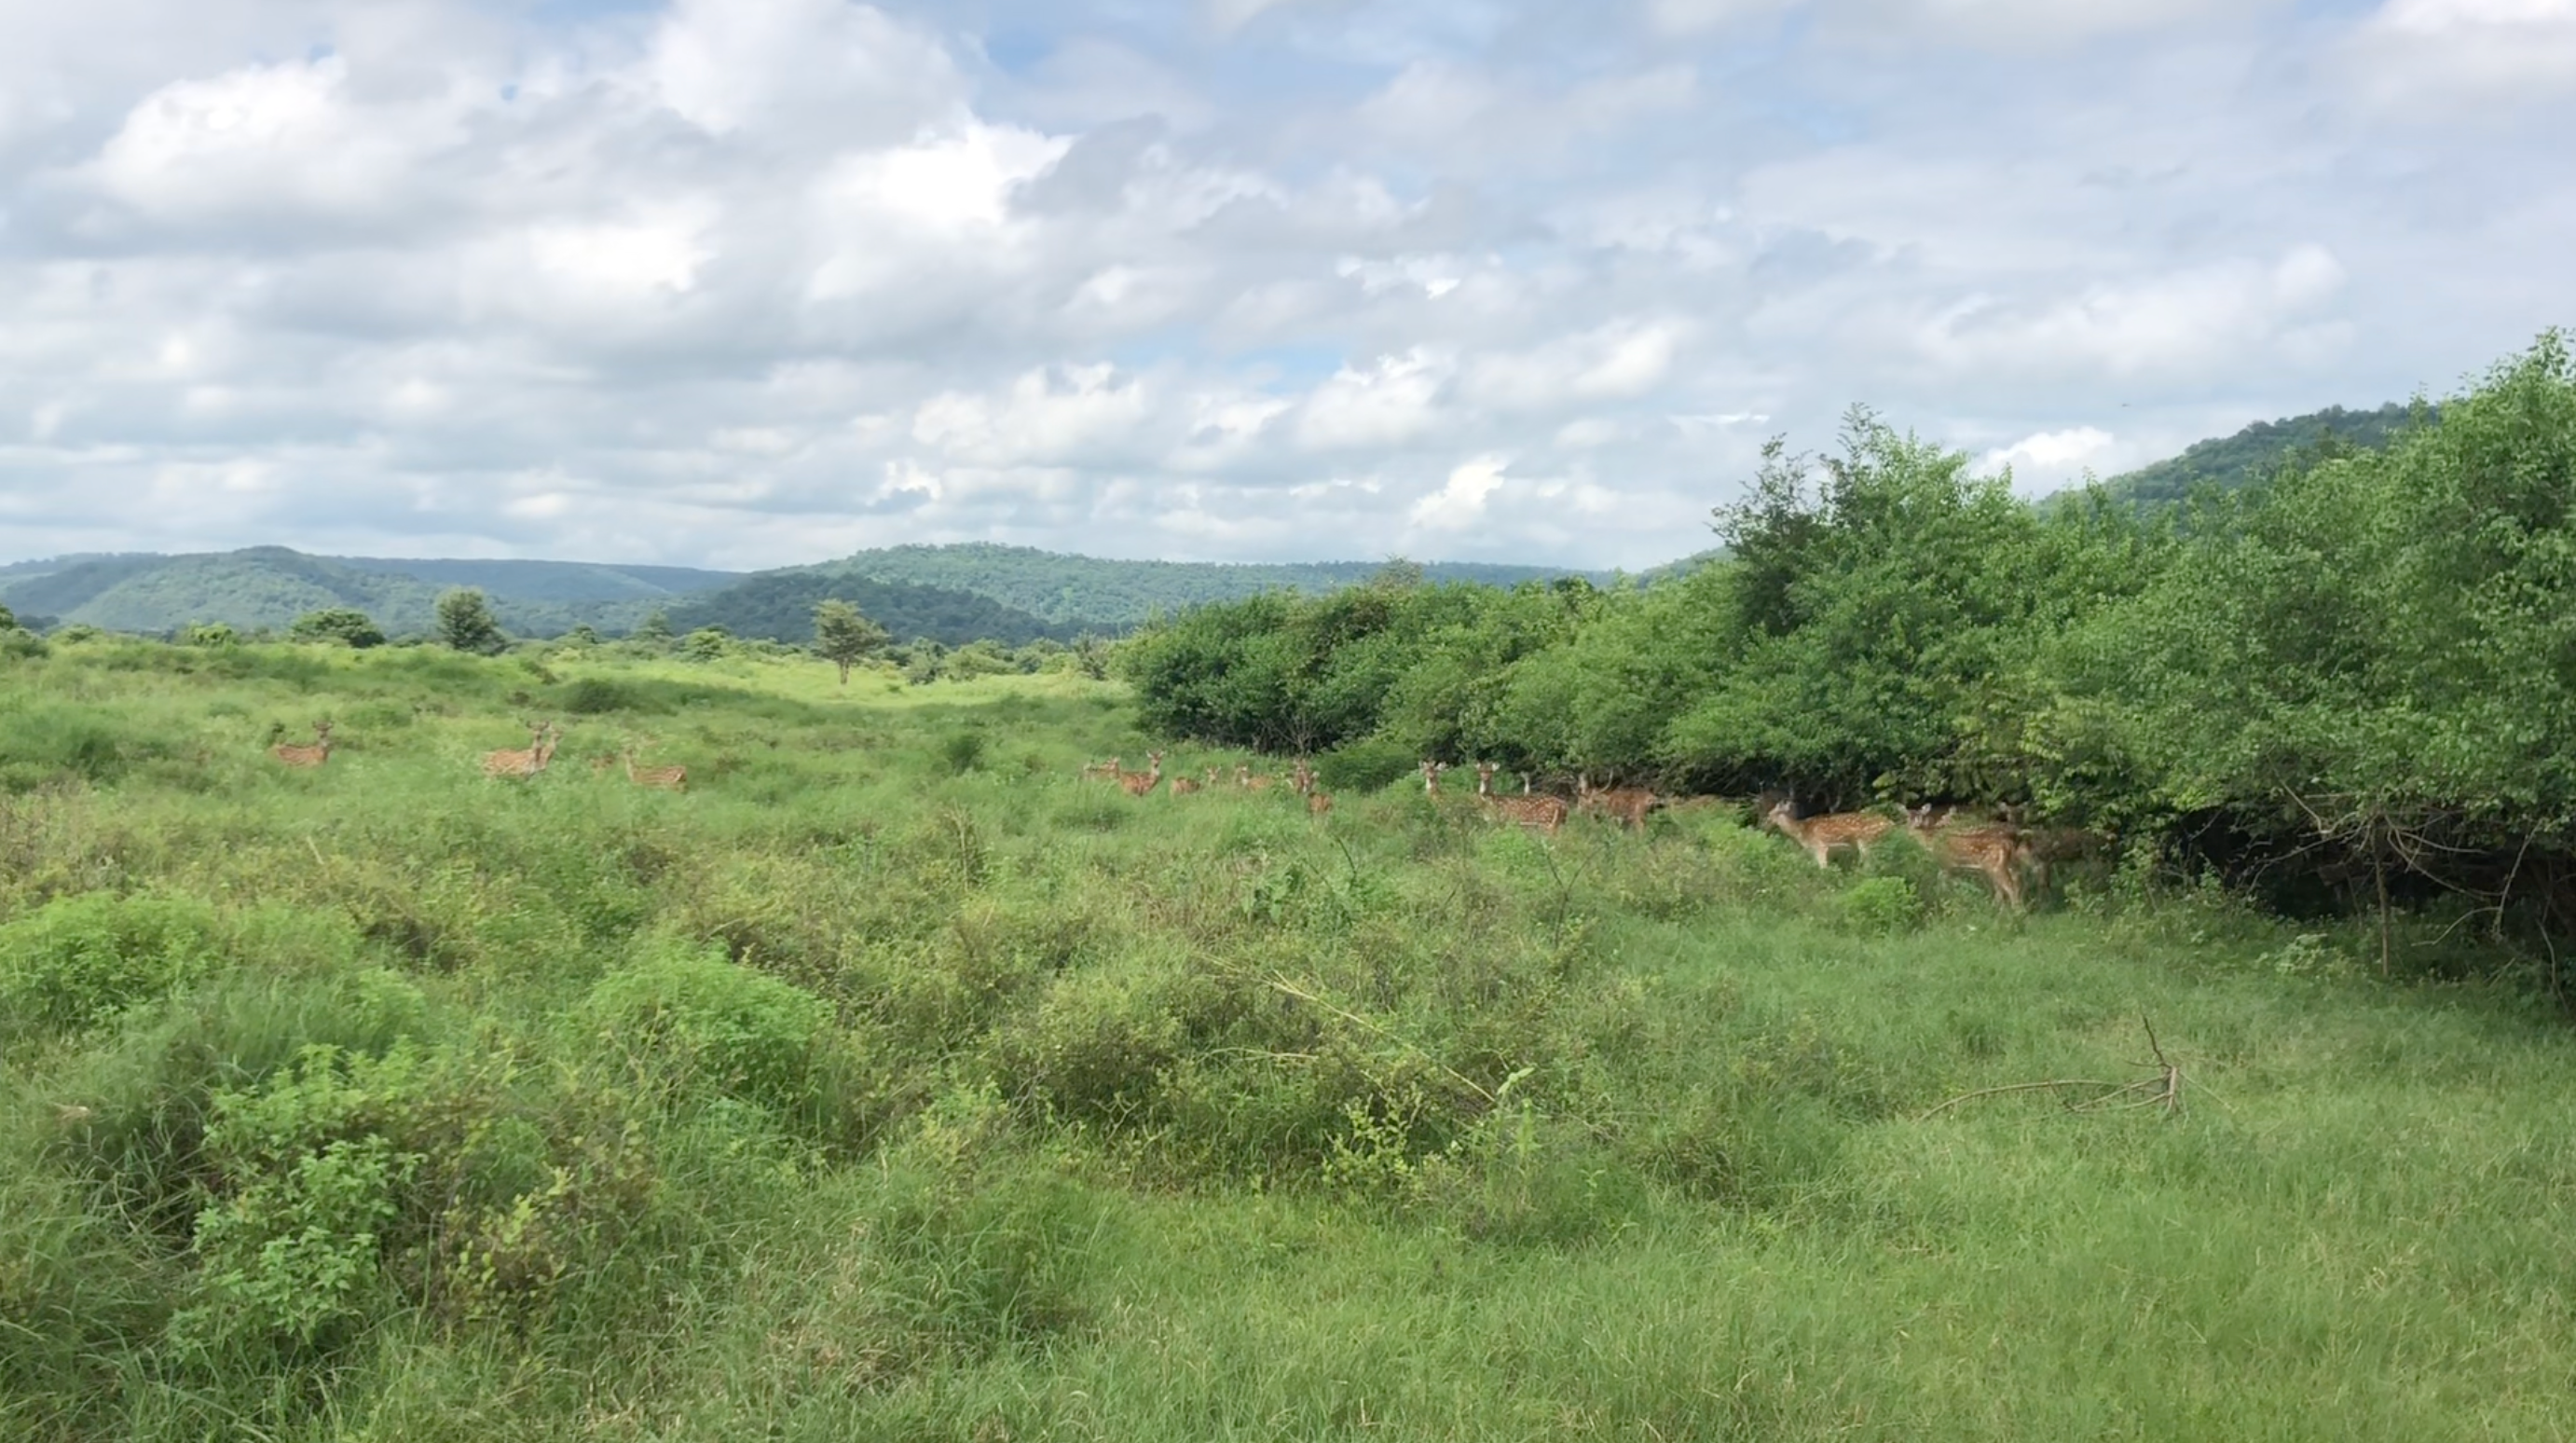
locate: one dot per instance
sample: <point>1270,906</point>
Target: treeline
<point>2359,670</point>
<point>1078,593</point>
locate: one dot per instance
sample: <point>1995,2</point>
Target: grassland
<point>894,1082</point>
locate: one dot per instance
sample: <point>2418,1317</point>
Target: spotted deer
<point>312,756</point>
<point>1538,812</point>
<point>1108,771</point>
<point>669,779</point>
<point>1183,786</point>
<point>1822,836</point>
<point>1244,778</point>
<point>542,737</point>
<point>1431,771</point>
<point>1302,778</point>
<point>1139,783</point>
<point>1629,805</point>
<point>1317,802</point>
<point>1996,851</point>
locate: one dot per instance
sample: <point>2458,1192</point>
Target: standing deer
<point>312,756</point>
<point>1539,813</point>
<point>1139,783</point>
<point>670,779</point>
<point>1993,850</point>
<point>542,737</point>
<point>1431,771</point>
<point>1628,804</point>
<point>1859,831</point>
<point>1302,778</point>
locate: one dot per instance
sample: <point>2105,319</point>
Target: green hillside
<point>779,606</point>
<point>1088,591</point>
<point>2258,451</point>
<point>270,586</point>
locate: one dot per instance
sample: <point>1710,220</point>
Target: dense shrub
<point>701,1022</point>
<point>77,960</point>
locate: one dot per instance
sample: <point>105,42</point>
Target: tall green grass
<point>894,1082</point>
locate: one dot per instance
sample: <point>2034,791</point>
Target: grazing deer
<point>1859,831</point>
<point>312,756</point>
<point>1244,778</point>
<point>1107,771</point>
<point>669,779</point>
<point>1996,851</point>
<point>1431,771</point>
<point>1537,812</point>
<point>1628,804</point>
<point>542,737</point>
<point>1139,783</point>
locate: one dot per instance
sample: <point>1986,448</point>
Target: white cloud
<point>2163,324</point>
<point>1460,501</point>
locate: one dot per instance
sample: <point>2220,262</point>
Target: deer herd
<point>2003,851</point>
<point>510,762</point>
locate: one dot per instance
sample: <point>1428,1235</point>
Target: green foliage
<point>844,636</point>
<point>211,634</point>
<point>1365,766</point>
<point>959,751</point>
<point>343,624</point>
<point>466,623</point>
<point>699,1021</point>
<point>707,643</point>
<point>78,960</point>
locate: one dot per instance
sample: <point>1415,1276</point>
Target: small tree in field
<point>338,623</point>
<point>466,623</point>
<point>845,638</point>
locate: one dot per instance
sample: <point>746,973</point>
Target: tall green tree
<point>466,623</point>
<point>844,637</point>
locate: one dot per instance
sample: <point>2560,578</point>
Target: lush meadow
<point>895,1081</point>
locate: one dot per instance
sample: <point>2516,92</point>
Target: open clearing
<point>894,1081</point>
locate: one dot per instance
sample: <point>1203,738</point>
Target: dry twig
<point>2162,1090</point>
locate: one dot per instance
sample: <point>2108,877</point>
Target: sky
<point>751,283</point>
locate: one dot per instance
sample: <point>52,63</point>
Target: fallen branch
<point>2162,1090</point>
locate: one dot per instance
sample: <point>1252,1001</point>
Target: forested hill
<point>779,606</point>
<point>1090,592</point>
<point>270,586</point>
<point>2230,462</point>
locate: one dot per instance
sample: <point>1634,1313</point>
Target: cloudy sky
<point>757,282</point>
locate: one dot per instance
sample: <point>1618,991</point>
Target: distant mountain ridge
<point>270,586</point>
